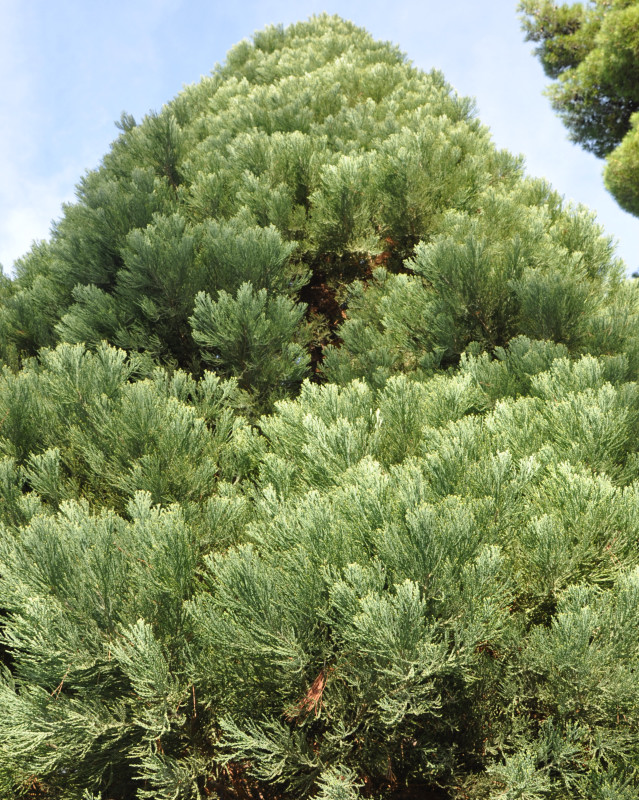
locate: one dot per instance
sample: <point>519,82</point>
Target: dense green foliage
<point>592,51</point>
<point>319,465</point>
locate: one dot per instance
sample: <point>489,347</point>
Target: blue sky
<point>68,68</point>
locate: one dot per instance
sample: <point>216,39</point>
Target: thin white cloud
<point>29,218</point>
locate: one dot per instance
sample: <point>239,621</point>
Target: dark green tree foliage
<point>591,50</point>
<point>416,575</point>
<point>251,336</point>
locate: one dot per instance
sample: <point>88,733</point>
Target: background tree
<point>592,52</point>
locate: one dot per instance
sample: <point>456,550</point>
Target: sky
<point>68,68</point>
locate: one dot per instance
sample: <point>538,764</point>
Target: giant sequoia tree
<point>319,470</point>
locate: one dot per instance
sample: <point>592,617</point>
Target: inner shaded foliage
<point>319,472</point>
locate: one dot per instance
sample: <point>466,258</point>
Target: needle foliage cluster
<point>319,466</point>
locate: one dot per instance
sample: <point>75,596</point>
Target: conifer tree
<point>590,51</point>
<point>319,472</point>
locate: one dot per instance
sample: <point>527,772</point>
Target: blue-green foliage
<point>412,574</point>
<point>437,570</point>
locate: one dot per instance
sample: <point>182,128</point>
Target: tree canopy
<point>319,472</point>
<point>591,50</point>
